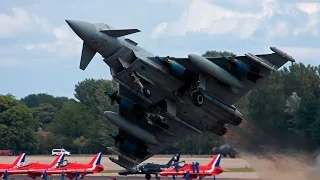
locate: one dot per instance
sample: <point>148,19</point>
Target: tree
<point>217,53</point>
<point>34,100</point>
<point>90,92</point>
<point>17,125</point>
<point>44,113</point>
<point>6,102</point>
<point>81,142</point>
<point>293,106</point>
<point>73,120</point>
<point>307,112</point>
<point>299,78</point>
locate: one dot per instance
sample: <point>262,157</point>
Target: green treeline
<point>283,112</point>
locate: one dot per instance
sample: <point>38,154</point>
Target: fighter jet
<point>163,99</point>
<point>225,150</point>
<point>150,168</point>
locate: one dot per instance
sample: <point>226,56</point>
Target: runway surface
<point>108,165</point>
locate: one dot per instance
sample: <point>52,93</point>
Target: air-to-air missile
<point>252,73</point>
<point>130,146</point>
<point>261,62</point>
<point>215,71</point>
<point>218,128</point>
<point>137,111</point>
<point>228,113</point>
<point>115,151</point>
<point>178,70</point>
<point>128,105</point>
<point>131,128</point>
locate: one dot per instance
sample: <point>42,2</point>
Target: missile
<point>252,73</point>
<point>126,104</point>
<point>282,54</point>
<point>144,90</point>
<point>214,70</point>
<point>128,145</point>
<point>231,113</point>
<point>133,91</point>
<point>131,128</point>
<point>178,70</point>
<point>113,97</point>
<point>260,61</point>
<point>115,151</point>
<point>114,160</point>
<point>219,129</point>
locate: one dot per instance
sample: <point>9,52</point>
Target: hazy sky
<point>39,53</point>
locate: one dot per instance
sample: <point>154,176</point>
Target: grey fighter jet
<point>151,168</point>
<point>164,99</point>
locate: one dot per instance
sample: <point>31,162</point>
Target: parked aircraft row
<point>175,168</point>
<point>59,166</point>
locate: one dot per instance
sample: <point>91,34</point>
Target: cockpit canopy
<point>102,26</point>
<point>63,163</point>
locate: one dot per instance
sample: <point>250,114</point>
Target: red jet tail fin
<point>59,159</point>
<point>20,160</point>
<point>95,160</point>
<point>215,162</point>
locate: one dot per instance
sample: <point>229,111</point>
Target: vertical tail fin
<point>215,162</point>
<point>20,160</point>
<point>96,160</point>
<point>173,160</point>
<point>59,159</point>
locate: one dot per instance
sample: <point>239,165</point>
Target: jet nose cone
<point>84,30</point>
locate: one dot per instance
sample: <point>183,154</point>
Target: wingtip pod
<point>282,54</point>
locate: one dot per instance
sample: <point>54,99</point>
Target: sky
<point>39,53</point>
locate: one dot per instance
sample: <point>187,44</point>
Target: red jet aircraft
<point>71,170</point>
<point>190,171</point>
<point>17,163</point>
<point>28,169</point>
